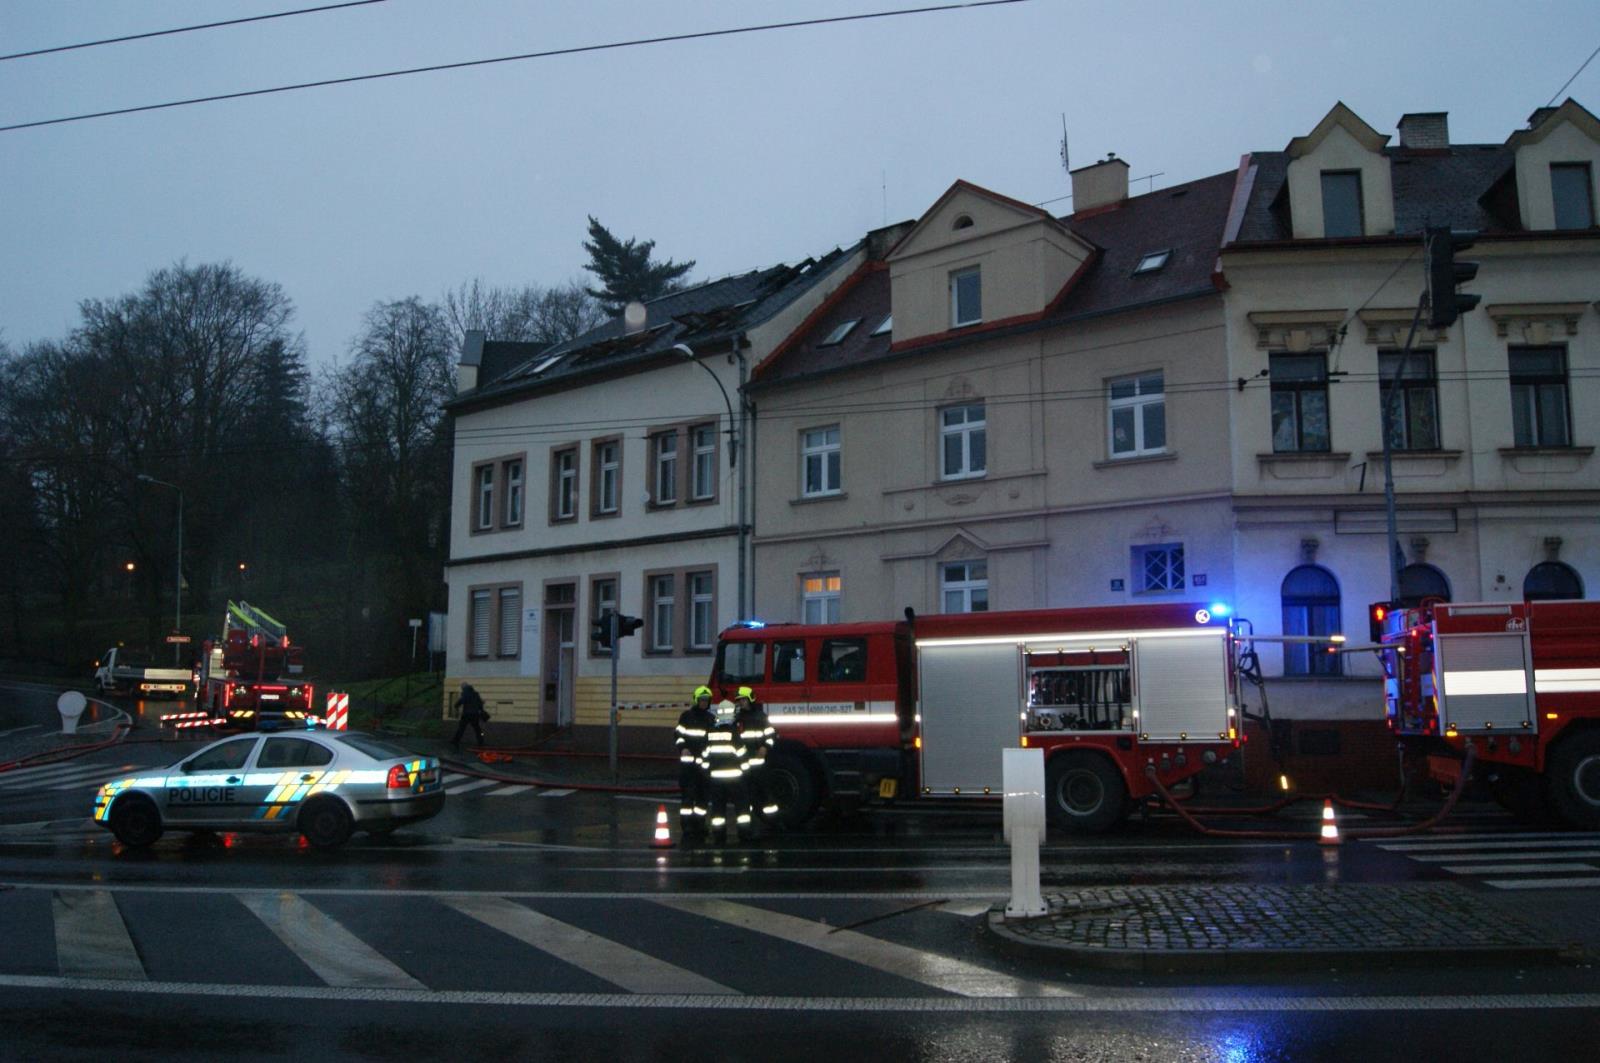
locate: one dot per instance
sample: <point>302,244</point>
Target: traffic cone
<point>663,839</point>
<point>1330,826</point>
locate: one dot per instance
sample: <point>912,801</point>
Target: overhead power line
<point>185,29</point>
<point>551,53</point>
<point>1574,77</point>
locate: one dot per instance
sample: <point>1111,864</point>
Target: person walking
<point>759,736</point>
<point>694,725</point>
<point>472,714</point>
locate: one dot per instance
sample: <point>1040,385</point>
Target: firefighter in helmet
<point>759,736</point>
<point>724,761</point>
<point>693,727</point>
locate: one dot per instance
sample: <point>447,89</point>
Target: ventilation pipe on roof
<point>1100,184</point>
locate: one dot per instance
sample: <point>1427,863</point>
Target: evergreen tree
<point>625,271</point>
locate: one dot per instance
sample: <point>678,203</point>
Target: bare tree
<point>529,314</point>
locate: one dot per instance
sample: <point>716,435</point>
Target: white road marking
<point>337,956</point>
<point>56,773</point>
<point>1434,847</point>
<point>1516,869</point>
<point>1581,882</point>
<point>92,939</point>
<point>509,791</point>
<point>626,968</point>
<point>1513,835</point>
<point>96,779</point>
<point>1437,858</point>
<point>556,793</point>
<point>929,968</point>
<point>603,895</point>
<point>974,908</point>
<point>476,784</point>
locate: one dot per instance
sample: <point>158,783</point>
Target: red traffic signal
<point>1378,619</point>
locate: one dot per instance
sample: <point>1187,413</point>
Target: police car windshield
<point>375,748</point>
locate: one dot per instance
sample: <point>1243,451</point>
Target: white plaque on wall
<point>531,644</point>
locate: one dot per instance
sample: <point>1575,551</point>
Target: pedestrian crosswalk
<point>68,775</point>
<point>453,941</point>
<point>457,784</point>
<point>1510,861</point>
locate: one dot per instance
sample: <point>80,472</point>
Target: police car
<point>323,784</point>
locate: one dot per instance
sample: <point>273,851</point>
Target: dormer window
<point>1572,190</point>
<point>840,331</point>
<point>885,326</point>
<point>966,297</point>
<point>1341,203</point>
<point>1152,261</point>
<point>963,221</point>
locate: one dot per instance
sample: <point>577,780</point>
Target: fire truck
<point>1518,682</point>
<point>884,711</point>
<point>253,676</point>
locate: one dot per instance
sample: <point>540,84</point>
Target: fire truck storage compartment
<point>1485,681</point>
<point>971,704</point>
<point>1181,686</point>
<point>1079,687</point>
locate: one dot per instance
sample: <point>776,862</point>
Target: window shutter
<point>480,623</point>
<point>510,621</point>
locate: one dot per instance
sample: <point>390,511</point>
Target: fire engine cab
<point>1519,682</point>
<point>923,707</point>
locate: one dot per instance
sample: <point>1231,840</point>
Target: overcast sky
<point>736,151</point>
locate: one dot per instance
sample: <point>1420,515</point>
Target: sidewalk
<point>1251,927</point>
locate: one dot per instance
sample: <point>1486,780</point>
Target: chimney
<point>1425,132</point>
<point>471,360</point>
<point>882,241</point>
<point>1100,184</point>
<point>1537,118</point>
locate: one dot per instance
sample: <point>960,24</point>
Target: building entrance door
<point>560,658</point>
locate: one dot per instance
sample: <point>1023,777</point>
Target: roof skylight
<point>884,326</point>
<point>839,332</point>
<point>1152,261</point>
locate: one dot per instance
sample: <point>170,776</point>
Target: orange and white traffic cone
<point>663,838</point>
<point>1330,826</point>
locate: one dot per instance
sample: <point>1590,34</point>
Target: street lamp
<point>734,427</point>
<point>177,623</point>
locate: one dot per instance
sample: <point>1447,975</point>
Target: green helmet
<point>702,692</point>
<point>746,693</point>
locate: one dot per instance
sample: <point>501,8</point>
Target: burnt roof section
<point>1187,220</point>
<point>705,316</point>
<point>1433,187</point>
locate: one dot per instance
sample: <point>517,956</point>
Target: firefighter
<point>759,737</point>
<point>724,759</point>
<point>693,727</point>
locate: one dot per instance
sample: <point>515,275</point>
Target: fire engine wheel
<point>793,787</point>
<point>326,824</point>
<point>1083,793</point>
<point>136,822</point>
<point>1575,780</point>
<point>1523,794</point>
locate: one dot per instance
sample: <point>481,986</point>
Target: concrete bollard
<point>1022,775</point>
<point>70,705</point>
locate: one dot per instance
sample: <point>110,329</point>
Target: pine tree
<point>625,271</point>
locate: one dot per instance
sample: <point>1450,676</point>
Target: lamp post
<point>177,622</point>
<point>734,434</point>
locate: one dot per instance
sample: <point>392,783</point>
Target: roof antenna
<point>885,174</point>
<point>1066,163</point>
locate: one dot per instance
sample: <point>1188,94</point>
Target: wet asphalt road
<point>531,926</point>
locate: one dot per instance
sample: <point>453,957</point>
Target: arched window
<point>1310,607</point>
<point>963,221</point>
<point>1422,581</point>
<point>1549,581</point>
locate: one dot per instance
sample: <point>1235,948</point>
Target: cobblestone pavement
<point>1220,927</point>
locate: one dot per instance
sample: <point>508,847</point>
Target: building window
<point>1550,581</point>
<point>964,586</point>
<point>483,486</point>
<point>1539,396</point>
<point>1341,203</point>
<point>482,621</point>
<point>1299,403</point>
<point>663,611</point>
<point>819,598</point>
<point>564,484</point>
<point>602,600</point>
<point>1138,415</point>
<point>702,610</point>
<point>1411,415</point>
<point>1310,607</point>
<point>1158,569</point>
<point>966,297</point>
<point>1572,190</point>
<point>510,621</point>
<point>1420,582</point>
<point>703,480</point>
<point>513,480</point>
<point>819,461</point>
<point>963,441</point>
<point>606,478</point>
<point>664,450</point>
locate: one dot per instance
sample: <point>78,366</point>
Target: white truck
<point>121,671</point>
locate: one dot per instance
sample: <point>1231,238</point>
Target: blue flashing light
<point>1220,609</point>
<point>754,623</point>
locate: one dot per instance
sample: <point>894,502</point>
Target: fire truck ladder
<point>244,616</point>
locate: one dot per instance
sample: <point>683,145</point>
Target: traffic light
<point>600,631</point>
<point>627,625</point>
<point>1377,618</point>
<point>1445,304</point>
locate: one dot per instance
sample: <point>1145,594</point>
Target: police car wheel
<point>136,822</point>
<point>326,824</point>
<point>1084,793</point>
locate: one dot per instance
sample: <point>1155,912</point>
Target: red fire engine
<point>1519,682</point>
<point>923,707</point>
<point>253,675</point>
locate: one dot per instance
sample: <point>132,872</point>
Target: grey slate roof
<point>704,316</point>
